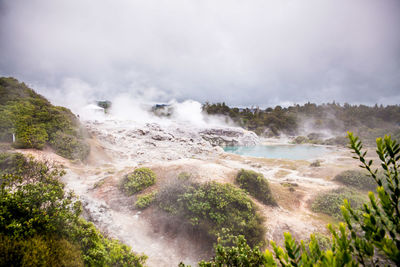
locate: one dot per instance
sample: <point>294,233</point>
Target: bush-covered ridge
<point>257,186</point>
<point>40,223</point>
<point>36,122</point>
<point>212,208</point>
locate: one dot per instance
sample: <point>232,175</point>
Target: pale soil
<point>156,234</point>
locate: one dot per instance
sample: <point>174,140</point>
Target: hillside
<point>28,120</point>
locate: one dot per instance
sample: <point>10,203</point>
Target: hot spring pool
<point>294,152</point>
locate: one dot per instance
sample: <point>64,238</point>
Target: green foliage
<point>39,251</point>
<point>240,254</point>
<point>138,180</point>
<point>256,184</point>
<point>69,146</point>
<point>378,229</point>
<point>324,242</point>
<point>36,206</point>
<point>40,223</point>
<point>213,209</point>
<point>356,179</point>
<point>98,250</point>
<point>145,201</point>
<point>13,163</point>
<point>330,202</point>
<point>35,122</point>
<point>371,238</point>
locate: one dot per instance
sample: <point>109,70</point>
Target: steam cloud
<point>241,52</point>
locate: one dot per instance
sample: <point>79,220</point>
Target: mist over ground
<point>244,53</point>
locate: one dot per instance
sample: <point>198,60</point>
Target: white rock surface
<point>125,140</point>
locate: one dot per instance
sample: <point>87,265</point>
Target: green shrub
<point>330,202</point>
<point>138,180</point>
<point>30,136</point>
<point>98,250</point>
<point>213,209</point>
<point>357,179</point>
<point>240,254</point>
<point>257,186</point>
<point>146,200</point>
<point>324,242</point>
<point>315,163</point>
<point>168,195</point>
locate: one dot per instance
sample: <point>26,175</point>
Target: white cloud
<point>242,52</point>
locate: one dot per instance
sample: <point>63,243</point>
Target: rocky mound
<point>125,140</point>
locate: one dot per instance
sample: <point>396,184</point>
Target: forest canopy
<point>368,122</point>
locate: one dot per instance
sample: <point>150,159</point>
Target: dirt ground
<point>293,182</point>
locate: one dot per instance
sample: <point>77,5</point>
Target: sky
<point>254,52</point>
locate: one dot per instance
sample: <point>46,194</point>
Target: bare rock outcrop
<point>229,136</point>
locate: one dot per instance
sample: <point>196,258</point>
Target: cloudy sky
<point>256,52</point>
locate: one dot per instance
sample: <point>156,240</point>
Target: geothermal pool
<point>294,152</point>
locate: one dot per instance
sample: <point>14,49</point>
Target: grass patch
<point>257,186</point>
<point>99,183</point>
<point>290,186</point>
<point>330,202</point>
<point>281,174</point>
<point>213,209</point>
<point>138,180</point>
<point>145,200</point>
<point>356,179</point>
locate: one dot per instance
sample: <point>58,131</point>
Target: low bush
<point>214,209</point>
<point>330,202</point>
<point>315,163</point>
<point>145,200</point>
<point>138,180</point>
<point>257,186</point>
<point>356,179</point>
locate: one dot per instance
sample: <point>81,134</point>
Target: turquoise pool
<point>295,152</point>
